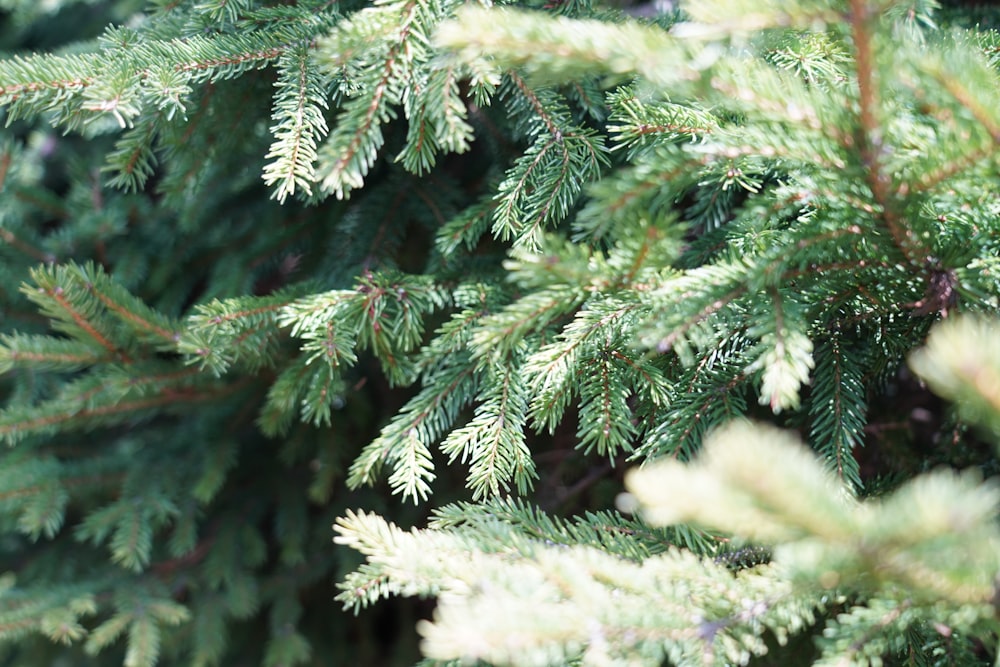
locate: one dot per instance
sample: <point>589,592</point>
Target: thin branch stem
<point>870,136</point>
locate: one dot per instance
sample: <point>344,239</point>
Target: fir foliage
<point>257,258</point>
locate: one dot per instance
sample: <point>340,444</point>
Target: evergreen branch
<point>605,416</point>
<point>785,355</point>
<point>222,56</point>
<point>647,189</point>
<point>970,101</point>
<point>500,333</point>
<point>493,442</point>
<point>54,611</point>
<point>718,18</point>
<point>66,304</point>
<point>549,120</point>
<point>553,372</point>
<point>641,250</point>
<point>629,538</point>
<point>132,311</point>
<point>931,179</point>
<point>837,408</point>
<point>227,316</point>
<point>35,253</point>
<point>389,58</point>
<point>957,76</point>
<point>863,630</point>
<point>299,124</point>
<point>47,353</point>
<point>139,613</point>
<point>224,10</point>
<point>709,290</point>
<point>34,488</point>
<point>223,332</point>
<point>706,395</point>
<point>384,313</point>
<point>324,391</point>
<point>97,400</point>
<point>679,334</point>
<point>84,300</point>
<point>234,60</point>
<point>133,161</point>
<point>818,59</point>
<point>405,442</point>
<point>105,82</point>
<point>551,49</point>
<point>870,139</point>
<point>60,76</point>
<point>544,182</point>
<point>763,485</point>
<point>648,381</point>
<point>347,171</point>
<point>638,125</point>
<point>453,336</point>
<point>437,121</point>
<point>628,614</point>
<point>287,393</point>
<point>466,228</point>
<point>961,361</point>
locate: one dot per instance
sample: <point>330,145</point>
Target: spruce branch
<point>871,136</point>
<point>650,611</point>
<point>140,615</point>
<point>221,333</point>
<point>961,361</point>
<point>564,368</point>
<point>300,124</point>
<point>884,549</point>
<point>70,306</point>
<point>628,537</point>
<point>640,125</point>
<point>83,88</point>
<point>384,313</point>
<point>786,354</point>
<point>493,442</point>
<point>725,17</point>
<point>385,49</point>
<point>962,80</point>
<point>98,400</point>
<point>404,444</point>
<point>466,228</point>
<point>437,120</point>
<point>545,181</point>
<point>134,160</point>
<point>837,408</point>
<point>26,248</point>
<point>557,48</point>
<point>502,332</point>
<point>57,613</point>
<point>711,391</point>
<point>46,353</point>
<point>46,82</point>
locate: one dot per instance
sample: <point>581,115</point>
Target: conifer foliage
<point>268,267</point>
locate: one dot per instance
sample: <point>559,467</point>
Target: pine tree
<point>270,267</point>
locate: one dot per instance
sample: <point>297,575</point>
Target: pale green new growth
<point>553,604</point>
<point>516,588</point>
<point>300,124</point>
<point>962,363</point>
